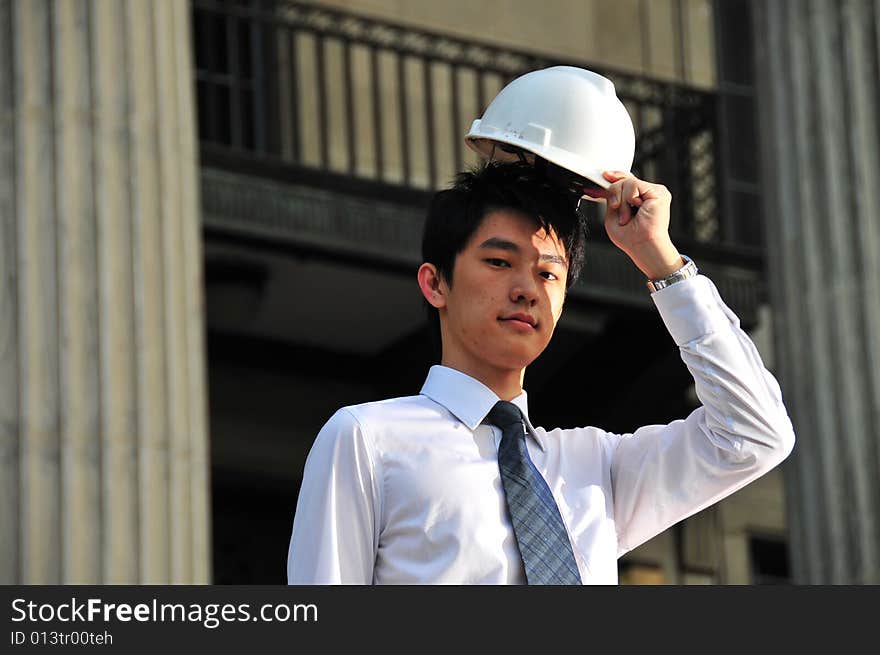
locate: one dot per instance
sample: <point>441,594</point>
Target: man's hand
<point>643,235</point>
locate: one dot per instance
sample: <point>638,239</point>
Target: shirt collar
<point>468,399</point>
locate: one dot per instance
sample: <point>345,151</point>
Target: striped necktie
<point>540,533</point>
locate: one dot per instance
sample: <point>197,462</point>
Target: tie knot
<point>505,414</point>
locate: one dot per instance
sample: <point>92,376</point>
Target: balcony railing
<point>323,97</point>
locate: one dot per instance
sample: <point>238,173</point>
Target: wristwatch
<point>688,270</point>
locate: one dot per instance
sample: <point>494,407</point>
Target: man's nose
<point>524,290</point>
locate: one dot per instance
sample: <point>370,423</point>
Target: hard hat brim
<point>488,149</point>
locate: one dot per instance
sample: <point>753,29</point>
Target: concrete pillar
<point>103,436</point>
<point>819,97</point>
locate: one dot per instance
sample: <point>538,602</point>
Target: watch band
<point>688,270</point>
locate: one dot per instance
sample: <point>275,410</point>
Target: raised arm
<point>663,473</point>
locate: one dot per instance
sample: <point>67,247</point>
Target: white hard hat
<point>566,115</point>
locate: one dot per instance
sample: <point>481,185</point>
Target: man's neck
<point>506,383</point>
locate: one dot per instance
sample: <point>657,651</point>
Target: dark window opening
<point>769,559</point>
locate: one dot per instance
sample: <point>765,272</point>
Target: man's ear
<point>431,285</point>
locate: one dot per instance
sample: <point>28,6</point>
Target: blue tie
<point>540,534</point>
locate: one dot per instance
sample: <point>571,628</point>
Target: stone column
<point>819,98</point>
<point>103,436</point>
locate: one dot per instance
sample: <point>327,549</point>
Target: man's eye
<point>497,262</point>
<point>549,275</point>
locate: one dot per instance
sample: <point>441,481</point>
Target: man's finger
<point>623,214</point>
<point>614,176</point>
<point>615,192</point>
<point>633,194</point>
<point>622,207</point>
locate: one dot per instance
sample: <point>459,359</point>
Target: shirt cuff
<point>691,309</point>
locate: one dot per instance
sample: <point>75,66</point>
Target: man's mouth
<point>521,321</point>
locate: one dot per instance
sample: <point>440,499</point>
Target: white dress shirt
<point>407,490</point>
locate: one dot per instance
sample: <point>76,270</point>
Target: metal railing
<point>321,96</point>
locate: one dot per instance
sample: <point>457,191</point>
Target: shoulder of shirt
<point>371,422</point>
<point>378,411</point>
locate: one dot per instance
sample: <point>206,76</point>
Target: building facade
<point>212,215</point>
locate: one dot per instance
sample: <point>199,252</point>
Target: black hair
<point>455,214</point>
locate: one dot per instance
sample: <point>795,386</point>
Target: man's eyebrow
<point>553,259</point>
<point>499,244</point>
<point>503,244</point>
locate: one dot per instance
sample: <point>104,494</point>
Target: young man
<point>455,485</point>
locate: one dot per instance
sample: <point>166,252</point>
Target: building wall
<point>819,82</point>
<point>56,472</point>
<point>640,36</point>
<point>104,461</point>
<point>669,40</point>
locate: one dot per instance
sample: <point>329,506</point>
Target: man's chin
<point>516,360</point>
<point>521,350</point>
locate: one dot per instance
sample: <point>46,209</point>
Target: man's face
<point>507,294</point>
